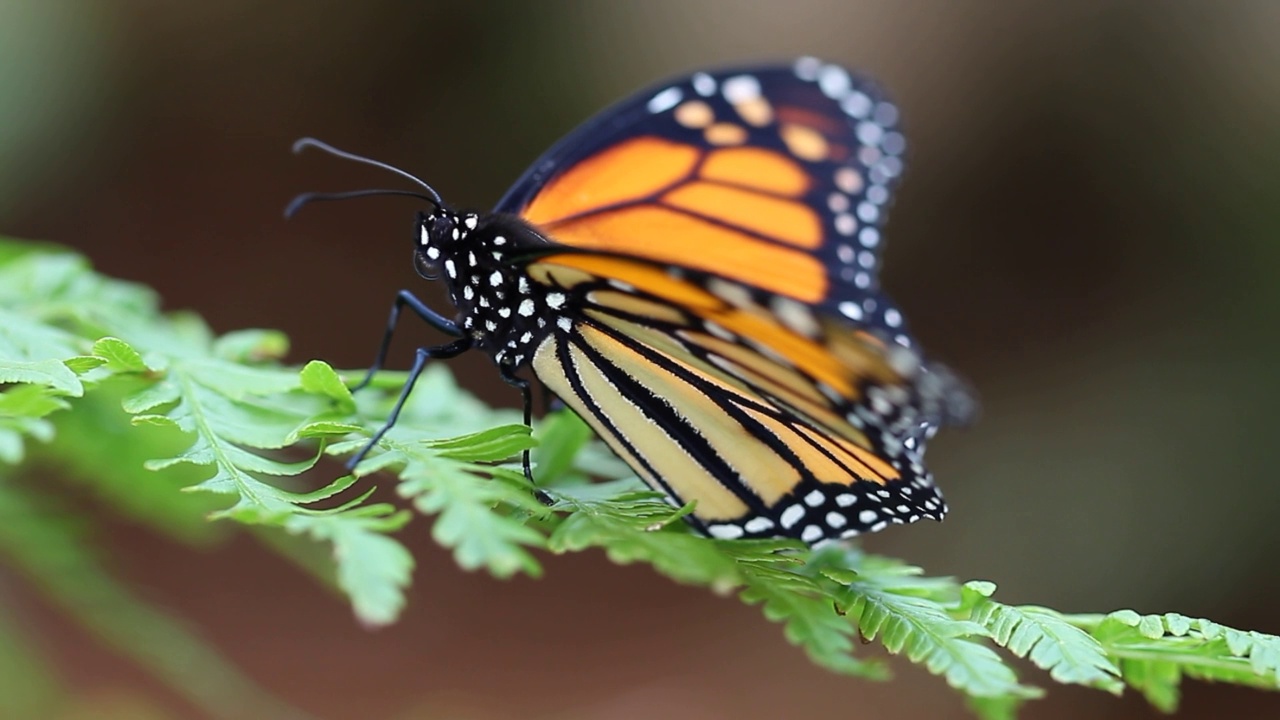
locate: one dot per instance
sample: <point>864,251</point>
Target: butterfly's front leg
<point>404,299</point>
<point>453,349</point>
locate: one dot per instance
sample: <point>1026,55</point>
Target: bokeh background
<point>1087,230</point>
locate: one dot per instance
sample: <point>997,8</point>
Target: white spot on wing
<point>741,88</point>
<point>725,532</point>
<point>758,525</point>
<point>665,100</point>
<point>791,516</point>
<point>850,310</point>
<point>814,498</point>
<point>704,84</point>
<point>807,68</point>
<point>718,330</point>
<point>795,315</point>
<point>886,114</point>
<point>834,81</point>
<point>811,533</point>
<point>845,224</point>
<point>856,104</point>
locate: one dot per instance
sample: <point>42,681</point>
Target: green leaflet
<point>105,383</point>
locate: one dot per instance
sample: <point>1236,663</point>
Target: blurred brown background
<point>1087,230</point>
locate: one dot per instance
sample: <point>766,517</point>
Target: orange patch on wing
<point>756,111</point>
<point>757,168</point>
<point>817,463</point>
<point>784,220</point>
<point>805,142</point>
<point>808,356</point>
<point>669,237</point>
<point>639,275</point>
<point>763,370</point>
<point>694,114</point>
<point>631,170</point>
<point>723,133</point>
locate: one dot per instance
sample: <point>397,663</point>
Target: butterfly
<point>694,273</point>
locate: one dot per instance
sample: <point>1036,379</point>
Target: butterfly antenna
<point>305,199</point>
<point>307,142</point>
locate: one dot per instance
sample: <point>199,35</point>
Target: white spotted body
<point>498,307</point>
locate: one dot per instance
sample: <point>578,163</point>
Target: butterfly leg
<point>527,397</point>
<point>404,299</point>
<point>452,349</point>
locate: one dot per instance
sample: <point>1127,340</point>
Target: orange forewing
<point>733,212</point>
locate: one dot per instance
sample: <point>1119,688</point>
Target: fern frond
<point>234,407</point>
<point>924,631</point>
<point>1155,652</point>
<point>1043,636</point>
<point>224,411</point>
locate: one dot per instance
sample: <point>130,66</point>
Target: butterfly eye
<point>427,268</point>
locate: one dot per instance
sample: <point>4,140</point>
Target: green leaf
<point>320,379</point>
<point>561,437</point>
<point>464,500</point>
<point>1002,707</point>
<point>884,605</point>
<point>373,569</point>
<point>636,526</point>
<point>22,412</point>
<point>490,445</point>
<point>1156,651</point>
<point>803,605</point>
<point>220,415</point>
<point>251,346</point>
<point>30,401</point>
<point>1069,654</point>
<point>52,373</point>
<point>119,356</point>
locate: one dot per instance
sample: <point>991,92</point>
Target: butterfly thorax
<point>479,257</point>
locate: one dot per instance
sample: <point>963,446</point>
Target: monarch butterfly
<point>694,272</point>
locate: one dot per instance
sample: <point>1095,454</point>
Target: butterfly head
<point>440,234</point>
